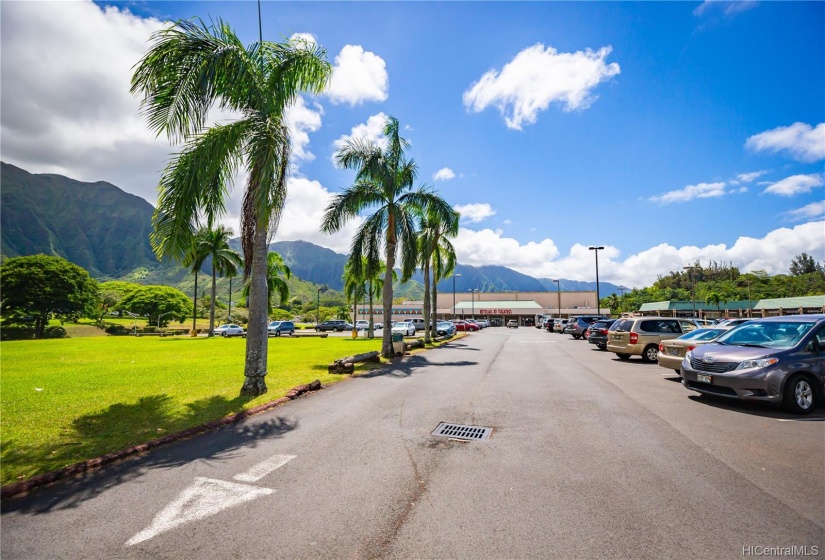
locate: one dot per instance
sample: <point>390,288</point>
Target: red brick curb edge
<point>18,488</point>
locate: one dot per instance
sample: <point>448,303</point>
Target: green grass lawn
<point>68,400</point>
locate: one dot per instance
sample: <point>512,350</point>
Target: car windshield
<point>767,334</point>
<point>275,324</point>
<point>702,334</point>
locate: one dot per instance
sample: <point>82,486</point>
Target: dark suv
<point>333,325</point>
<point>578,325</point>
<point>598,333</point>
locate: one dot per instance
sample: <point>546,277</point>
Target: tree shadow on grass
<point>122,425</point>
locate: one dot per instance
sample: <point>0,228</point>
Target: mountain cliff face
<point>106,231</point>
<point>94,225</point>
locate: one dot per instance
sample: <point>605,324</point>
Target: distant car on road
<point>404,327</point>
<point>277,328</point>
<point>227,330</point>
<point>559,325</point>
<point>445,328</point>
<point>597,333</point>
<point>365,325</point>
<point>512,324</point>
<point>578,325</point>
<point>465,326</point>
<point>335,325</point>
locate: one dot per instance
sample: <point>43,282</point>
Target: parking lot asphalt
<point>589,457</point>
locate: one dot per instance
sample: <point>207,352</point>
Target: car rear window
<point>623,325</point>
<point>661,326</point>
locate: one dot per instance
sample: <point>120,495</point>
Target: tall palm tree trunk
<point>386,337</point>
<point>435,305</point>
<point>372,321</point>
<point>256,334</point>
<point>195,307</point>
<point>427,301</point>
<point>212,303</point>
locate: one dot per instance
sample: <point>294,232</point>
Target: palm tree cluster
<point>413,222</point>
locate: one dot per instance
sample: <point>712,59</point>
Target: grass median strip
<point>69,400</point>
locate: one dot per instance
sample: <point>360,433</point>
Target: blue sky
<point>667,132</point>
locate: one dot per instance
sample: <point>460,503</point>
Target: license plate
<point>673,351</point>
<point>617,337</point>
<point>702,378</point>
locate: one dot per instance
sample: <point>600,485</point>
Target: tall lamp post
<point>229,307</point>
<point>454,277</point>
<point>598,303</point>
<point>692,286</point>
<point>558,291</point>
<point>318,308</point>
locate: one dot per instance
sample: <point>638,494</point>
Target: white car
<point>230,330</point>
<point>365,325</point>
<point>405,328</point>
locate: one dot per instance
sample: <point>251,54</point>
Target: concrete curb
<point>23,487</point>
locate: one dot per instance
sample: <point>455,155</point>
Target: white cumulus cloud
<point>538,76</point>
<point>807,212</point>
<point>370,131</point>
<point>358,76</point>
<point>443,174</point>
<point>795,184</point>
<point>702,190</point>
<point>748,177</point>
<point>800,141</point>
<point>475,213</point>
<point>301,120</point>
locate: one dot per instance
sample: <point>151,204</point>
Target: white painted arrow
<point>264,468</point>
<point>205,497</point>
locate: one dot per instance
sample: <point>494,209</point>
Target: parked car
<point>445,328</point>
<point>465,326</point>
<point>578,325</point>
<point>418,322</point>
<point>777,360</point>
<point>598,333</point>
<point>365,325</point>
<point>333,325</point>
<point>230,330</point>
<point>483,323</point>
<point>404,327</point>
<point>730,323</point>
<point>559,325</point>
<point>474,322</point>
<point>276,328</point>
<point>672,352</point>
<point>641,336</point>
<point>512,324</point>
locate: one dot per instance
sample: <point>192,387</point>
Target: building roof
<point>688,306</point>
<point>504,304</point>
<point>807,302</point>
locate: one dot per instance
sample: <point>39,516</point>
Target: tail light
<point>634,338</point>
<point>661,347</point>
<point>603,331</point>
<point>689,348</point>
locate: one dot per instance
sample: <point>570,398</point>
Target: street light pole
<point>229,308</point>
<point>598,303</point>
<point>692,286</point>
<point>558,291</point>
<point>454,277</point>
<point>318,308</point>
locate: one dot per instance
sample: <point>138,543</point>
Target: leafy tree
<point>42,287</point>
<point>190,68</point>
<point>215,244</point>
<point>157,303</point>
<point>355,288</point>
<point>384,179</point>
<point>436,248</point>
<point>715,298</point>
<point>193,259</point>
<point>804,264</point>
<point>111,294</point>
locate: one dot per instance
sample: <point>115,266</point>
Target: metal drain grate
<point>460,431</point>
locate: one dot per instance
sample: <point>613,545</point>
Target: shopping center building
<point>496,307</point>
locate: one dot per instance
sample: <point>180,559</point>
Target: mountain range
<point>106,231</point>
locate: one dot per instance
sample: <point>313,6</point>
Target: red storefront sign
<point>495,311</point>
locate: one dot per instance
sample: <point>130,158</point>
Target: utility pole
<point>692,285</point>
<point>454,277</point>
<point>558,291</point>
<point>598,303</point>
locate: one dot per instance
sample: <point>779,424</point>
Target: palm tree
<point>715,298</point>
<point>193,260</point>
<point>354,287</point>
<point>277,273</point>
<point>214,243</point>
<point>436,250</point>
<point>190,68</point>
<point>384,178</point>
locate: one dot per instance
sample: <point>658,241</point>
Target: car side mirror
<point>812,346</point>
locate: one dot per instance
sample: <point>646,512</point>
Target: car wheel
<point>623,356</point>
<point>650,353</point>
<point>291,333</point>
<point>223,334</point>
<point>277,333</point>
<point>678,372</point>
<point>799,396</point>
<point>602,346</point>
<point>577,336</point>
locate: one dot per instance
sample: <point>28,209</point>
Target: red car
<point>465,326</point>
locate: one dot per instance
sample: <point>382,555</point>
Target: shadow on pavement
<point>757,409</point>
<point>406,367</point>
<point>148,418</point>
